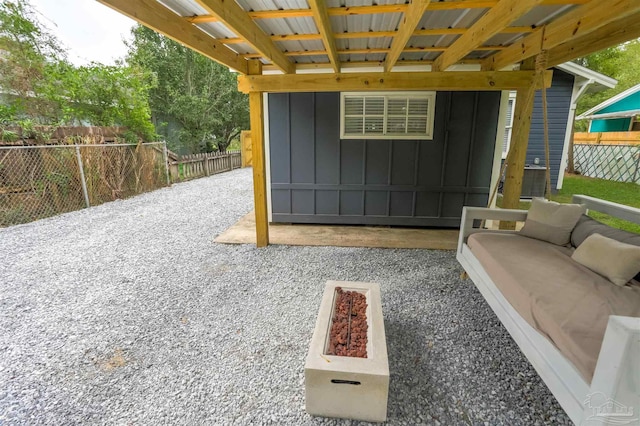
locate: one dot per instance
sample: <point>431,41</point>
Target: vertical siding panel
<point>402,182</point>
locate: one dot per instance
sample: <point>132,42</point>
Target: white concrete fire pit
<point>342,386</point>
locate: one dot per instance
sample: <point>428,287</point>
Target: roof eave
<point>611,101</point>
<point>588,74</point>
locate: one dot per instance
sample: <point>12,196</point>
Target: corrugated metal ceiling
<point>432,19</point>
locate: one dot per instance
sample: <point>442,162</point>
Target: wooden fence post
<point>206,164</point>
<point>245,144</point>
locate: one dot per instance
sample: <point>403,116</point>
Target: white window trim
<point>509,125</point>
<point>406,94</point>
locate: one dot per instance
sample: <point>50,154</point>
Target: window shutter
<point>404,115</point>
<point>354,105</point>
<point>418,115</point>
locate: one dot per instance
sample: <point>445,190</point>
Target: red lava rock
<point>349,339</point>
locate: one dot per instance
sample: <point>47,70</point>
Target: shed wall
<point>318,178</point>
<point>558,104</point>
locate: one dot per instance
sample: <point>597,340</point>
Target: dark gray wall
<point>558,103</point>
<point>318,178</point>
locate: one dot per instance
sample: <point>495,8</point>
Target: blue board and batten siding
<point>558,105</point>
<point>318,178</point>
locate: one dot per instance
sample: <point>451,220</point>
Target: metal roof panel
<point>184,7</point>
<point>272,4</point>
<point>541,15</point>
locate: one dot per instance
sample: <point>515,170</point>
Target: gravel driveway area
<point>129,313</point>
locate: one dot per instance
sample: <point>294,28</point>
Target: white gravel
<point>128,313</point>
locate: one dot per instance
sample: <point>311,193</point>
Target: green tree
<point>40,86</point>
<point>192,90</point>
<point>27,49</point>
<point>103,96</point>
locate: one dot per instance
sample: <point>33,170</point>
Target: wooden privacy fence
<point>609,155</point>
<point>200,165</point>
<point>607,138</point>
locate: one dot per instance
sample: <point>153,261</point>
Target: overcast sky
<point>89,30</point>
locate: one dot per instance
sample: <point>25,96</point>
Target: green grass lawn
<point>617,192</point>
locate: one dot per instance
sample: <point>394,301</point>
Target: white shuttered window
<point>387,115</point>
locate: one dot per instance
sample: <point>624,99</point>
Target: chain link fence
<point>42,181</point>
<point>612,162</point>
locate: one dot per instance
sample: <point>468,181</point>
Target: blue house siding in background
<point>558,105</point>
<point>631,102</point>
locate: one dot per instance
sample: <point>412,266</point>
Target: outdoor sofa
<point>579,330</point>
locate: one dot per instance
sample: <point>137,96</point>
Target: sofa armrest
<point>631,214</point>
<point>471,214</point>
<point>617,375</point>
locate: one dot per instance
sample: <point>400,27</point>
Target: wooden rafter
<point>374,34</point>
<point>367,64</point>
<point>321,18</point>
<point>614,33</point>
<point>577,23</point>
<point>237,20</point>
<point>490,24</point>
<point>152,14</point>
<point>473,80</point>
<point>372,10</point>
<point>369,51</point>
<point>410,20</point>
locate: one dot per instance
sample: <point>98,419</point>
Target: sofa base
<point>613,396</point>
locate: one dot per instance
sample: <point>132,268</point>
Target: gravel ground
<point>129,313</point>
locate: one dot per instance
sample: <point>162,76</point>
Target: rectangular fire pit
<point>348,387</point>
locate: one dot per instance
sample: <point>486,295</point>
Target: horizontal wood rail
<point>607,138</point>
<point>451,80</point>
<point>201,165</point>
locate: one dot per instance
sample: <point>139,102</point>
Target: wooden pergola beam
<point>459,80</point>
<point>375,34</point>
<point>238,21</point>
<point>491,23</point>
<point>575,24</point>
<point>612,34</point>
<point>366,64</point>
<point>256,113</point>
<point>372,10</point>
<point>518,150</point>
<point>321,18</point>
<point>152,14</point>
<point>410,20</point>
<point>368,51</point>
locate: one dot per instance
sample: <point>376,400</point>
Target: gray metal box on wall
<point>316,177</point>
<point>534,182</point>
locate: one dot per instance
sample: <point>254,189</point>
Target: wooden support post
<point>518,149</point>
<point>258,153</point>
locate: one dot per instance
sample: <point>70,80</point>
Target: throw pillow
<point>616,261</point>
<point>550,221</point>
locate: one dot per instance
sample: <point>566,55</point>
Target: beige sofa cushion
<point>562,299</point>
<point>618,262</point>
<point>587,226</point>
<point>551,221</point>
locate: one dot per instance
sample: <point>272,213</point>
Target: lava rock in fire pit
<point>348,335</point>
